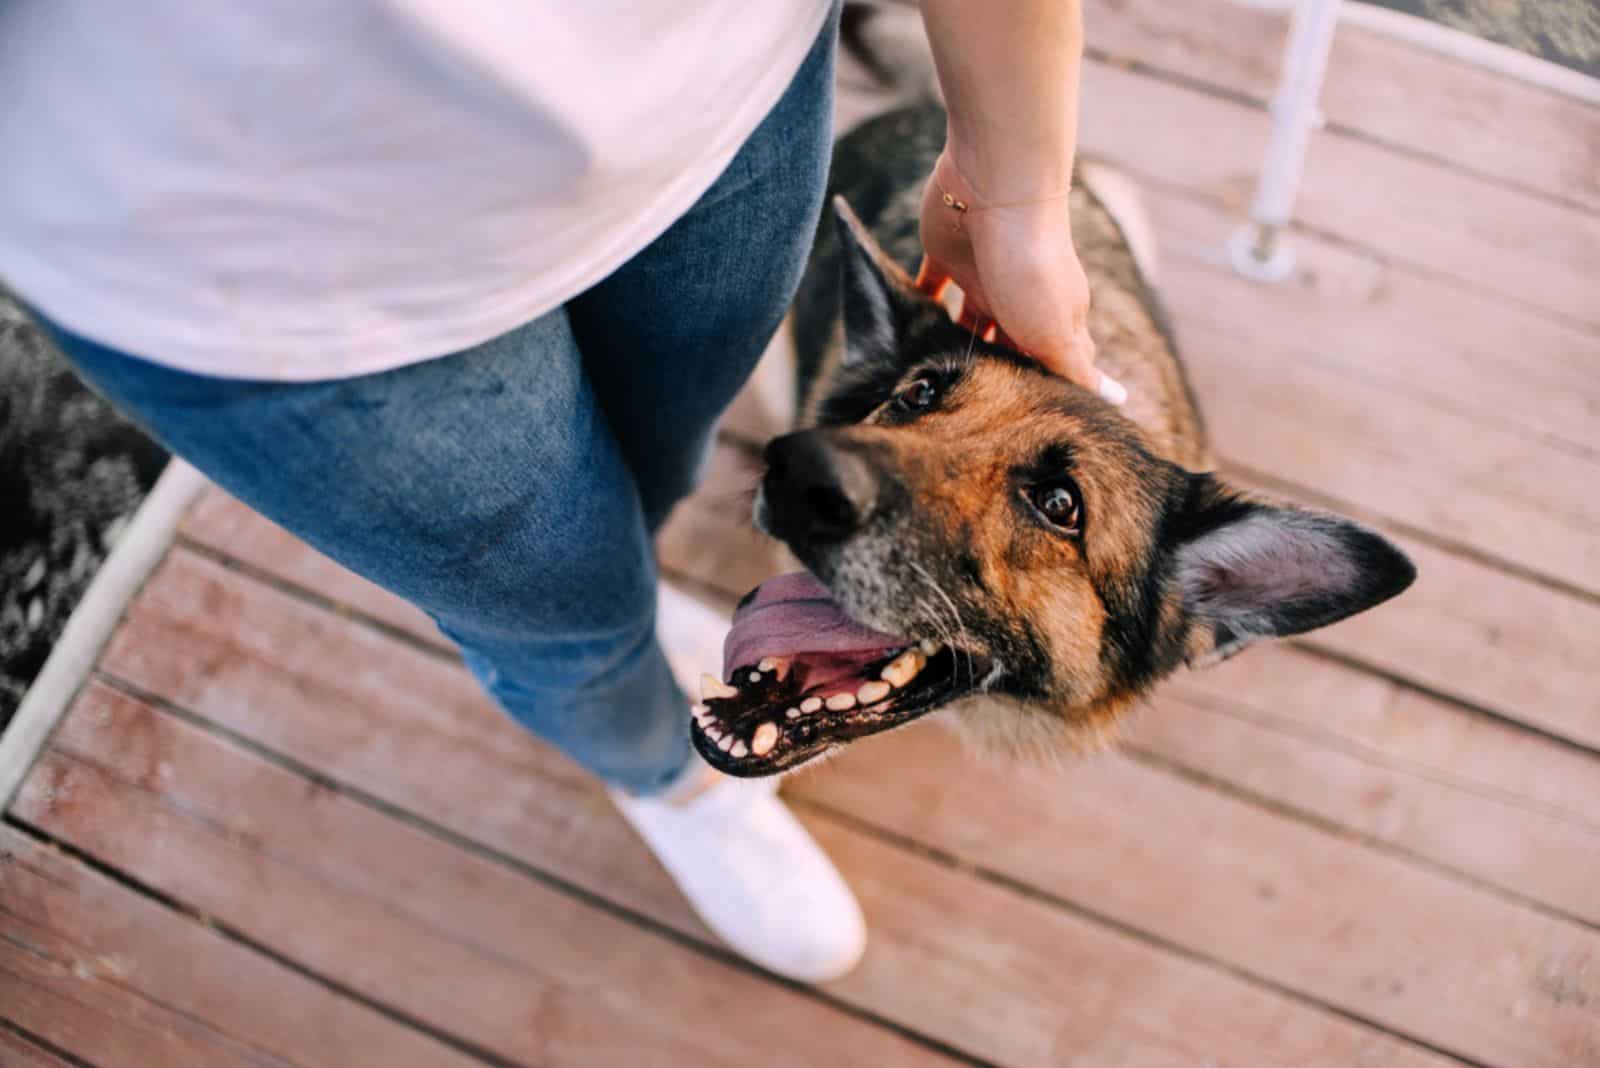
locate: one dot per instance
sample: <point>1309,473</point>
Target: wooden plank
<point>1383,939</point>
<point>1380,88</point>
<point>709,536</point>
<point>1474,484</point>
<point>1343,419</point>
<point>249,665</point>
<point>16,1050</point>
<point>1497,804</point>
<point>116,978</point>
<point>1422,338</point>
<point>222,523</point>
<point>1484,236</point>
<point>469,946</point>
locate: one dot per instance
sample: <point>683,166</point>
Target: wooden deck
<point>281,826</point>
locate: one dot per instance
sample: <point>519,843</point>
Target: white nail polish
<point>1111,390</point>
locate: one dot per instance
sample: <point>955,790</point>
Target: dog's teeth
<point>765,737</point>
<point>792,713</point>
<point>714,733</point>
<point>903,668</point>
<point>755,676</point>
<point>776,664</point>
<point>811,704</point>
<point>739,750</point>
<point>714,689</point>
<point>726,743</point>
<point>841,701</point>
<point>703,716</point>
<point>929,646</point>
<point>872,691</point>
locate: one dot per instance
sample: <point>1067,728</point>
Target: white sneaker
<point>747,866</point>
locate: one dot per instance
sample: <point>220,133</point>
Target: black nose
<point>815,489</point>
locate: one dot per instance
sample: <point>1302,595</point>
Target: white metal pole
<point>1257,250</point>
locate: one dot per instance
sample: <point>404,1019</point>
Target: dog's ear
<point>880,300</point>
<point>1248,570</point>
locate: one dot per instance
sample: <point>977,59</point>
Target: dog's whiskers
<point>961,648</point>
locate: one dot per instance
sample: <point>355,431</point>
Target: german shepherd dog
<point>981,536</point>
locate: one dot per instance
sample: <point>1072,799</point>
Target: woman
<point>456,293</point>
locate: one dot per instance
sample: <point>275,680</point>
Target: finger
<point>1085,373</point>
<point>975,313</point>
<point>933,278</point>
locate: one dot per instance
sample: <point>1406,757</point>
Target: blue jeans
<point>511,491</point>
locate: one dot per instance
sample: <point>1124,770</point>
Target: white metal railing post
<point>1257,250</point>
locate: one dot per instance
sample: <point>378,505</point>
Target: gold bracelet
<point>962,207</point>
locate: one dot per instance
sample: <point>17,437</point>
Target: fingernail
<point>1111,390</point>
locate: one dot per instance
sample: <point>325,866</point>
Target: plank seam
<point>1253,102</point>
<point>1245,712</point>
<point>1357,663</point>
<point>1351,244</point>
<point>1004,881</point>
<point>136,554</point>
<point>44,1044</point>
<point>222,930</point>
<point>246,1049</point>
<point>439,650</point>
<point>1305,818</point>
<point>492,855</point>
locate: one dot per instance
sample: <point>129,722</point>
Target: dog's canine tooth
<point>739,750</point>
<point>903,668</point>
<point>726,743</point>
<point>779,665</point>
<point>765,737</point>
<point>929,646</point>
<point>792,713</point>
<point>755,676</point>
<point>841,701</point>
<point>702,715</point>
<point>714,733</point>
<point>713,689</point>
<point>811,704</point>
<point>872,692</point>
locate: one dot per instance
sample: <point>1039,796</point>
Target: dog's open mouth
<point>802,677</point>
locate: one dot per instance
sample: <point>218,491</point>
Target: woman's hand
<point>1009,70</point>
<point>1017,269</point>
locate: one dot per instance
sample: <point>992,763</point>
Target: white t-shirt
<point>310,189</point>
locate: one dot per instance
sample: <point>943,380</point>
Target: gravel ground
<point>71,474</point>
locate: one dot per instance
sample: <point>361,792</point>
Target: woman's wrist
<point>1019,180</point>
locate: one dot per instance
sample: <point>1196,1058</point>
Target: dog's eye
<point>1058,502</point>
<point>918,396</point>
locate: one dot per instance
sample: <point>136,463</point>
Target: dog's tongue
<point>792,615</point>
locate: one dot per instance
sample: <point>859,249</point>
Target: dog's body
<point>983,537</point>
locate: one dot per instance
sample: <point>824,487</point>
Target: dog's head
<point>975,527</point>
